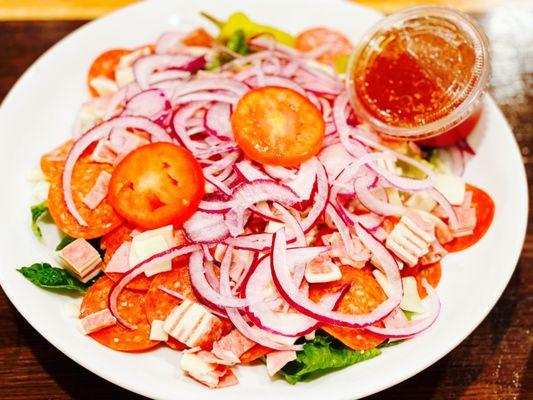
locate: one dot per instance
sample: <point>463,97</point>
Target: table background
<point>492,363</point>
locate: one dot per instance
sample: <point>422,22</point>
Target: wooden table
<point>492,363</point>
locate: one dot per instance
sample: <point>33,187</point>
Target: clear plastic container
<point>420,74</point>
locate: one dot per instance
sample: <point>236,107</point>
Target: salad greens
<point>53,278</point>
<point>237,43</point>
<point>37,212</point>
<point>321,356</point>
<point>65,241</point>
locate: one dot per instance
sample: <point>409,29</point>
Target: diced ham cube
<point>123,142</point>
<point>81,259</point>
<point>338,250</point>
<point>466,217</point>
<point>321,269</point>
<point>410,239</point>
<point>99,191</point>
<point>276,360</point>
<point>436,253</point>
<point>120,260</point>
<point>232,346</point>
<point>210,374</point>
<point>94,322</point>
<point>103,154</point>
<point>193,325</point>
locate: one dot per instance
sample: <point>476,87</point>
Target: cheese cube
<point>157,332</point>
<point>382,281</point>
<point>421,201</point>
<point>451,186</point>
<point>97,321</point>
<point>199,369</point>
<point>409,239</point>
<point>149,243</point>
<point>124,76</point>
<point>411,299</point>
<point>104,86</point>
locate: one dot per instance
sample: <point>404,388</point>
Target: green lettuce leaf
<point>48,277</point>
<point>321,356</point>
<point>65,241</point>
<point>38,211</point>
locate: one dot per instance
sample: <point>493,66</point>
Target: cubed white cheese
<point>146,244</point>
<point>451,186</point>
<point>124,76</point>
<point>411,299</point>
<point>199,369</point>
<point>157,332</point>
<point>393,195</point>
<point>421,201</point>
<point>104,86</point>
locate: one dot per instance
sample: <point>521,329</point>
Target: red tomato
<point>104,66</point>
<point>485,208</point>
<point>157,185</point>
<point>452,136</point>
<point>312,39</point>
<point>277,126</point>
<point>198,37</point>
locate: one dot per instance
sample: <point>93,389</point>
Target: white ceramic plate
<point>38,114</point>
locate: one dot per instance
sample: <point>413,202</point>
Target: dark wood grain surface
<point>492,363</point>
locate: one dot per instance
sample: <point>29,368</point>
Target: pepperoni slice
<point>364,295</point>
<point>53,161</point>
<point>431,272</point>
<point>255,353</point>
<point>131,306</point>
<point>485,208</point>
<point>101,220</point>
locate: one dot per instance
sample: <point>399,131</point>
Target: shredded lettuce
<point>37,212</point>
<point>321,356</point>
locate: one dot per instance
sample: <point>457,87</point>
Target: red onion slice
<point>139,269</point>
<point>304,181</point>
<point>320,200</point>
<point>206,228</point>
<point>151,104</point>
<point>288,290</point>
<point>179,122</point>
<point>217,121</point>
<point>96,133</point>
<point>372,202</point>
<point>254,192</point>
<point>204,289</point>
<point>417,326</point>
<point>145,66</point>
<point>233,86</point>
<point>250,173</point>
<point>457,160</point>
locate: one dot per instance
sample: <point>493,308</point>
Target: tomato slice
<point>277,126</point>
<point>198,37</point>
<point>312,39</point>
<point>485,208</point>
<point>157,185</point>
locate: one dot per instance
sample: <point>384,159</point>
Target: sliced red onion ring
<point>145,66</point>
<point>254,192</point>
<point>304,181</point>
<point>291,324</point>
<point>204,289</point>
<point>465,146</point>
<point>206,96</point>
<point>140,268</point>
<point>168,42</point>
<point>417,326</point>
<point>250,173</point>
<point>206,228</point>
<point>217,121</point>
<point>96,133</point>
<point>168,75</point>
<point>278,172</point>
<point>286,287</point>
<point>224,148</point>
<point>263,210</point>
<point>151,104</point>
<point>445,204</point>
<point>457,160</point>
<point>179,122</point>
<point>217,183</point>
<point>193,65</point>
<point>372,202</point>
<point>293,224</point>
<point>320,199</point>
<point>230,85</point>
<point>343,229</point>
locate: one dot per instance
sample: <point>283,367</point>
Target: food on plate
<point>223,198</point>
